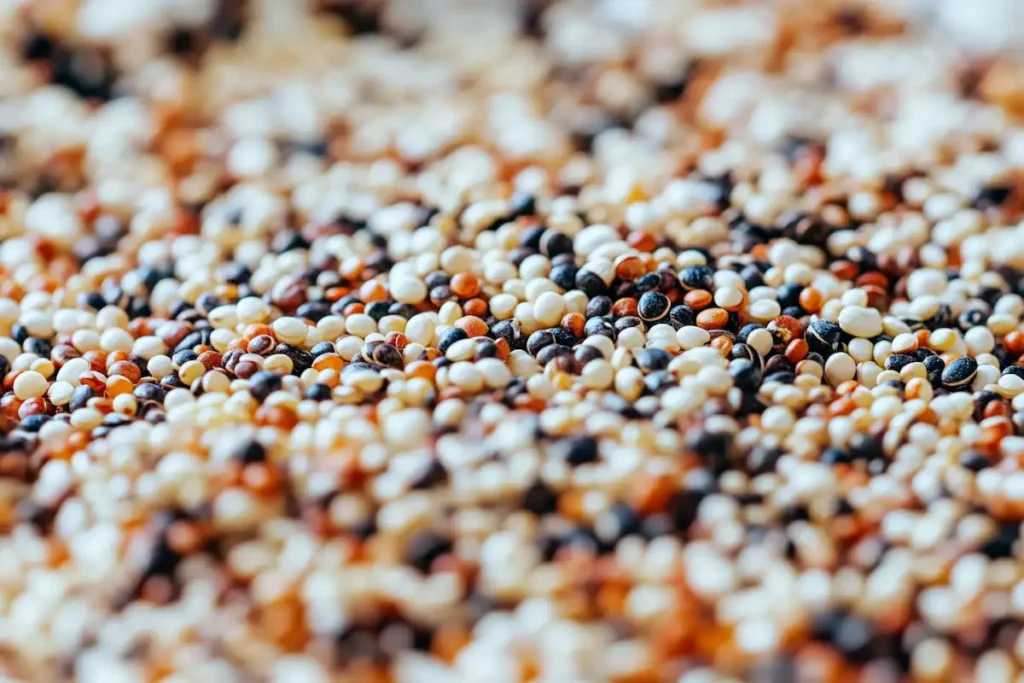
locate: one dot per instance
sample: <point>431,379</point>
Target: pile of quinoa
<point>498,341</point>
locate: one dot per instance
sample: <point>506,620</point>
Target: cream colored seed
<point>913,370</point>
<point>839,368</point>
<point>904,343</point>
<point>728,298</point>
<point>191,371</point>
<point>24,362</point>
<point>942,339</point>
<point>761,341</point>
<point>420,329</point>
<point>597,374</point>
<point>60,392</point>
<point>216,382</point>
<point>366,381</point>
<point>629,383</point>
<point>549,308</point>
<point>116,339</point>
<point>125,404</point>
<point>160,366</point>
<point>279,364</point>
<point>30,384</point>
<point>691,337</point>
<point>466,376</point>
<point>44,367</point>
<point>86,418</point>
<point>461,350</point>
<point>290,330</point>
<point>391,323</point>
<point>148,347</point>
<point>360,325</point>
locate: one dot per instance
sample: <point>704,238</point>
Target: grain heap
<point>492,342</point>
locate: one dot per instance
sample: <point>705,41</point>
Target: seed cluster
<point>463,341</point>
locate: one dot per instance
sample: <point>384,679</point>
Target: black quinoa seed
<point>509,331</point>
<point>149,391</point>
<point>823,337</point>
<point>538,340</point>
<point>539,499</point>
<point>564,276</point>
<point>449,337</point>
<point>590,284</point>
<point>322,348</point>
<point>653,306</point>
<point>423,548</point>
<point>653,359</point>
<point>682,316</point>
<point>960,373</point>
<point>599,327</point>
<point>898,361</point>
<point>318,392</point>
<point>581,450</point>
<point>697,277</point>
<point>264,383</point>
<point>746,374</point>
<point>250,452</point>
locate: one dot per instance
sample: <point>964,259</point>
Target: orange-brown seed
<point>843,269</point>
<point>847,387</point>
<point>574,322</point>
<point>464,285</point>
<point>786,328</point>
<point>183,537</point>
<point>476,307</point>
<point>126,369</point>
<point>421,369</point>
<point>1014,342</point>
<point>260,478</point>
<point>116,356</point>
<point>397,339</point>
<point>96,381</point>
<point>117,385</point>
<point>712,319</point>
<point>796,351</point>
<point>210,359</point>
<point>256,329</point>
<point>626,306</point>
<point>723,344</point>
<point>698,299</point>
<point>34,406</point>
<point>641,241</point>
<point>995,409</point>
<point>810,300</point>
<point>97,360</point>
<point>629,268</point>
<point>276,416</point>
<point>372,291</point>
<point>328,361</point>
<point>472,326</point>
<point>842,406</point>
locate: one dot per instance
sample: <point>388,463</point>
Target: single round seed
<point>290,330</point>
<point>30,384</point>
<point>839,368</point>
<point>960,373</point>
<point>860,321</point>
<point>653,306</point>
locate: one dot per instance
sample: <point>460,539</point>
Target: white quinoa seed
<point>860,321</point>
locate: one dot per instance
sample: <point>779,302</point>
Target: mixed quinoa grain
<point>497,341</point>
